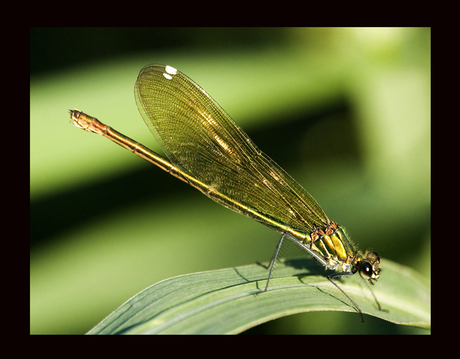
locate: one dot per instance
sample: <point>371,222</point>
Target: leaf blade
<point>230,300</point>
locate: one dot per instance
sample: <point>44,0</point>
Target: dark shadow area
<point>59,48</point>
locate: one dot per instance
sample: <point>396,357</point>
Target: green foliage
<point>230,300</point>
<point>345,111</point>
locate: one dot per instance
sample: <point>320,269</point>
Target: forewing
<point>201,139</point>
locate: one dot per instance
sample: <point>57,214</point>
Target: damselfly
<point>206,149</point>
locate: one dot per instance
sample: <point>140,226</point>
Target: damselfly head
<point>369,268</point>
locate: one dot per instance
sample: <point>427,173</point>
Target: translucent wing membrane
<point>201,139</point>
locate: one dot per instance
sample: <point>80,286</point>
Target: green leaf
<point>230,300</point>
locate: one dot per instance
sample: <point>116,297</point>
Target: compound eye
<point>366,270</point>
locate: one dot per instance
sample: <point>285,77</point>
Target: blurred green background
<point>346,111</point>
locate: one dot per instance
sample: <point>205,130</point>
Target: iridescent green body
<point>332,247</point>
<point>206,149</point>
